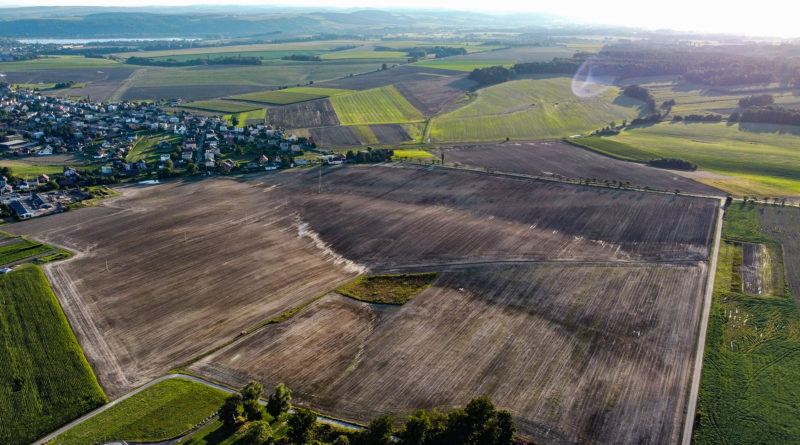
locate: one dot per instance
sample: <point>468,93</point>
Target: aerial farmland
<point>544,261</point>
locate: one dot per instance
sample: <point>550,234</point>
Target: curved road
<point>111,404</point>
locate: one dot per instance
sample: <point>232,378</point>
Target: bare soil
<point>781,224</point>
<point>334,136</point>
<point>65,75</point>
<point>432,94</point>
<point>315,113</point>
<point>579,354</point>
<point>190,265</point>
<point>390,133</point>
<point>751,268</point>
<point>559,158</point>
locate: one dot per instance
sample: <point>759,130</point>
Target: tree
<point>252,391</point>
<point>252,409</point>
<point>505,428</point>
<point>350,156</point>
<point>234,120</point>
<point>341,440</point>
<point>379,431</point>
<point>280,401</point>
<point>301,423</point>
<point>416,428</point>
<point>258,433</point>
<point>230,410</point>
<point>191,168</point>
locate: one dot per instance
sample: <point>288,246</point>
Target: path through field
<point>120,92</point>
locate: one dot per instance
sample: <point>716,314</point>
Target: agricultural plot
<point>377,106</point>
<point>59,63</point>
<point>564,347</point>
<point>318,45</point>
<point>289,95</point>
<point>551,158</point>
<point>99,84</point>
<point>387,55</point>
<point>431,95</point>
<point>186,92</point>
<point>47,381</point>
<point>257,116</point>
<point>334,136</point>
<point>390,133</point>
<point>220,106</point>
<point>749,389</point>
<point>316,113</point>
<point>392,76</point>
<point>759,158</point>
<point>204,272</point>
<point>163,411</point>
<point>531,109</point>
<point>479,218</point>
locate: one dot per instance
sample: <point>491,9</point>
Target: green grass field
<point>59,62</point>
<point>762,163</point>
<point>257,114</point>
<point>388,289</point>
<point>530,109</point>
<point>165,410</point>
<point>383,105</point>
<point>289,95</point>
<point>413,154</point>
<point>696,99</point>
<point>462,65</point>
<point>750,385</point>
<point>146,148</point>
<point>289,47</point>
<point>46,380</point>
<point>24,169</point>
<point>220,106</point>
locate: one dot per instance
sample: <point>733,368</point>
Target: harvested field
<point>180,279</point>
<point>409,215</point>
<point>752,256</point>
<point>563,347</point>
<point>781,224</point>
<point>315,113</point>
<point>390,133</point>
<point>431,95</point>
<point>65,75</point>
<point>187,92</point>
<point>334,136</point>
<point>559,158</point>
<point>377,106</point>
<point>289,95</point>
<point>392,76</point>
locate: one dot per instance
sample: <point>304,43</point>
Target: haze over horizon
<point>679,15</point>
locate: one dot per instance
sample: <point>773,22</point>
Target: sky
<point>763,18</point>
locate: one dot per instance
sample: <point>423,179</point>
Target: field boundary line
<point>691,406</point>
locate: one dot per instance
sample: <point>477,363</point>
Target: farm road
<point>111,404</point>
<point>691,406</point>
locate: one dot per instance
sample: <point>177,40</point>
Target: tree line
<point>767,115</point>
<point>242,415</point>
<point>232,60</point>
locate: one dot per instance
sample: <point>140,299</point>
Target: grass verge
<point>388,289</point>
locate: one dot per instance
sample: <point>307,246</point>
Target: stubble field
<point>530,270</point>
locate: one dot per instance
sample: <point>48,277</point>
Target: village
<point>107,143</point>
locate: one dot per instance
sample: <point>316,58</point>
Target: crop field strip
<point>47,380</point>
<point>315,113</point>
<point>530,109</point>
<point>558,158</point>
<point>383,105</point>
<point>563,347</point>
<point>749,388</point>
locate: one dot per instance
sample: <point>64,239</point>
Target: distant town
<point>107,143</point>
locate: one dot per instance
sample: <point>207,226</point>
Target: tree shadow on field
<point>758,128</point>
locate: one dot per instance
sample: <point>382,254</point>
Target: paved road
<point>691,406</point>
<point>103,408</point>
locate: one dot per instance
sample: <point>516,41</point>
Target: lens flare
<point>584,84</point>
